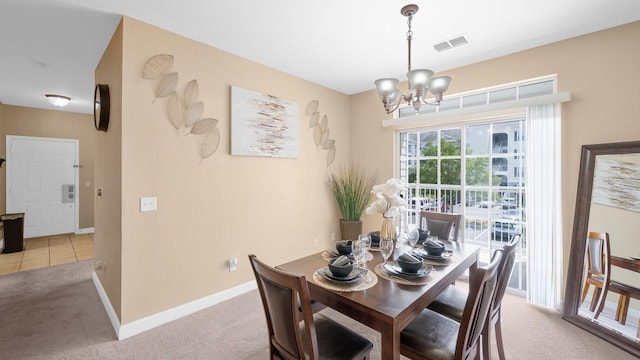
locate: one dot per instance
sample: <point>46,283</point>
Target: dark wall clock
<point>101,106</point>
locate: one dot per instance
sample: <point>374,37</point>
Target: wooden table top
<point>626,263</point>
<point>388,306</point>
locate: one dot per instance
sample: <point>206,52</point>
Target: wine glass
<point>359,252</point>
<point>386,248</point>
<point>413,235</point>
<point>366,240</point>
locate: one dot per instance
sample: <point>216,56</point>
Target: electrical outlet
<point>315,242</point>
<point>148,204</point>
<point>333,237</point>
<point>100,265</point>
<point>233,264</point>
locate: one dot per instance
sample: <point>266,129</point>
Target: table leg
<point>390,343</point>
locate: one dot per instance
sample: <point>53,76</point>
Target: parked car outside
<point>504,230</point>
<point>515,215</point>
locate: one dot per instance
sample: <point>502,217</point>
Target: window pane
<point>429,143</point>
<point>428,171</point>
<point>474,100</point>
<point>450,171</point>
<point>537,89</point>
<point>477,171</point>
<point>502,95</point>
<point>478,139</point>
<point>412,168</point>
<point>451,142</point>
<point>412,144</point>
<point>450,104</point>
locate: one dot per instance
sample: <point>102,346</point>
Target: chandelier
<point>420,80</point>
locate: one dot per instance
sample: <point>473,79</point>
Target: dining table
<point>390,303</point>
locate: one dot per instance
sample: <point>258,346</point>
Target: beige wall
<point>600,70</point>
<point>23,121</point>
<point>210,211</point>
<point>108,175</point>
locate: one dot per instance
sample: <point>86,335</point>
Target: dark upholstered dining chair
<point>295,332</point>
<point>452,300</point>
<point>434,336</point>
<point>441,224</point>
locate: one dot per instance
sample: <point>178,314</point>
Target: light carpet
<point>55,313</point>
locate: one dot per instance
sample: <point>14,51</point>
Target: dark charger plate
<point>395,269</point>
<point>355,275</point>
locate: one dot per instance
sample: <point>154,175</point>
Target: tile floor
<point>48,251</point>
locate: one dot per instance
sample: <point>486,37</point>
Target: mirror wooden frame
<point>580,229</point>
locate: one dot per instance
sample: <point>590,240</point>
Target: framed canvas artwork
<point>263,125</point>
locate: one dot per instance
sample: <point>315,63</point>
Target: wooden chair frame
<point>455,220</point>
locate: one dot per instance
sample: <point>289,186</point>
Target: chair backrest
<point>505,268</point>
<point>482,288</point>
<point>441,224</point>
<point>286,301</point>
<point>598,255</point>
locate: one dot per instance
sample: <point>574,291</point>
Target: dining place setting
<point>343,271</point>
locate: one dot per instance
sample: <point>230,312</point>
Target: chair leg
<point>602,299</point>
<point>623,309</point>
<point>594,300</point>
<point>484,340</point>
<point>585,291</point>
<point>499,343</point>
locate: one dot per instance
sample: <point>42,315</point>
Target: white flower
<point>388,200</point>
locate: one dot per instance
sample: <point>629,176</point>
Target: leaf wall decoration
<point>324,123</point>
<point>191,93</point>
<point>204,126</point>
<point>313,121</point>
<point>331,155</point>
<point>312,107</point>
<point>194,113</point>
<point>325,137</point>
<point>210,144</point>
<point>317,135</point>
<point>328,144</point>
<point>174,109</point>
<point>167,85</point>
<point>157,66</point>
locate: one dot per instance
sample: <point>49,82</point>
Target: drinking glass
<point>386,248</point>
<point>366,240</point>
<point>359,252</point>
<point>413,235</point>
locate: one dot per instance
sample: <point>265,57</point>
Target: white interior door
<point>42,178</point>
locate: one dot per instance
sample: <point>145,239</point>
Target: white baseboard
<point>161,318</point>
<point>85,231</point>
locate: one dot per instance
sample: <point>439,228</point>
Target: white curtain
<point>544,204</point>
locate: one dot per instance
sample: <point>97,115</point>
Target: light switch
<point>148,204</point>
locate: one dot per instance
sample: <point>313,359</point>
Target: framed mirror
<point>608,201</point>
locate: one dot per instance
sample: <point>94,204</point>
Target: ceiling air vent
<point>450,44</point>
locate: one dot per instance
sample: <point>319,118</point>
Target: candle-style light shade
<point>386,86</point>
<point>58,100</point>
<point>419,79</point>
<point>439,84</point>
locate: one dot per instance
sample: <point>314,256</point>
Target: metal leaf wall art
<point>321,132</point>
<point>184,111</point>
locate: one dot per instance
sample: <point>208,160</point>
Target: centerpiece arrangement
<point>388,203</point>
<point>351,187</point>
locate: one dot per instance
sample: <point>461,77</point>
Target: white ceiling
<point>53,46</point>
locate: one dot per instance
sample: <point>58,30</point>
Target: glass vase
<point>388,229</point>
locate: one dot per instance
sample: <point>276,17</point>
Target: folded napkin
<point>406,257</point>
<point>434,243</point>
<point>341,261</point>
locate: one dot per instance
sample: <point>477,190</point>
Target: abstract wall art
<point>263,125</point>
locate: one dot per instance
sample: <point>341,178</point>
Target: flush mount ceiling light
<point>58,100</point>
<point>420,80</point>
